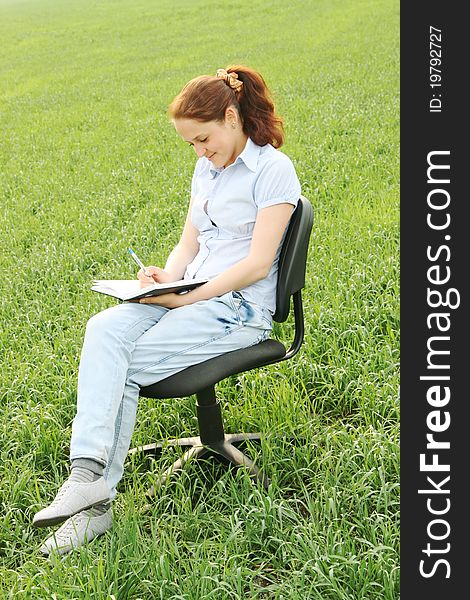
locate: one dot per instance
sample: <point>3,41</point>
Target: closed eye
<point>201,141</point>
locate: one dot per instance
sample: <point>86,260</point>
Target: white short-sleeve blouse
<point>225,204</point>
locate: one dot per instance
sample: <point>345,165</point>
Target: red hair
<point>206,98</point>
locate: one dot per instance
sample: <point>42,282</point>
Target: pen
<point>139,262</point>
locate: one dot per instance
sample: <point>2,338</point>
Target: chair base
<point>225,448</point>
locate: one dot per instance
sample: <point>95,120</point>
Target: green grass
<point>90,165</point>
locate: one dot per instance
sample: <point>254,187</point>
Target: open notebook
<point>130,289</point>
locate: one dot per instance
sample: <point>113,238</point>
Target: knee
<point>103,322</point>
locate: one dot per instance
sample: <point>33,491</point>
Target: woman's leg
<point>109,342</point>
<point>133,345</point>
<point>183,337</point>
<point>108,346</point>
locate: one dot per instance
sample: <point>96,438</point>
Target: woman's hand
<point>167,300</point>
<point>160,276</point>
<point>157,276</point>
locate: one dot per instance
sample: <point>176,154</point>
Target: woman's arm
<point>270,225</point>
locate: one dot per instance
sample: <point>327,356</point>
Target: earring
<point>233,125</point>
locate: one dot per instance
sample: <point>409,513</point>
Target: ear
<point>231,115</point>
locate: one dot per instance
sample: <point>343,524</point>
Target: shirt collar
<point>249,155</point>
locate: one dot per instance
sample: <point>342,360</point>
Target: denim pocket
<point>250,314</point>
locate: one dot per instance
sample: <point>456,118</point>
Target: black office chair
<point>201,379</point>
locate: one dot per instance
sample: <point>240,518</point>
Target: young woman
<point>243,193</point>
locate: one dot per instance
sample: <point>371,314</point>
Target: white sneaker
<point>77,530</point>
<point>72,498</point>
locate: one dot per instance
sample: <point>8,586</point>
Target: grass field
<point>89,164</point>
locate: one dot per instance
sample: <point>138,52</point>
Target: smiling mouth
<point>211,156</point>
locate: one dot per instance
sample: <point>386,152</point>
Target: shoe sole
<point>47,522</point>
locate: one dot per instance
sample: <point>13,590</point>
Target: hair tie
<point>231,79</point>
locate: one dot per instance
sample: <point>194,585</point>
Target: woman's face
<point>218,141</point>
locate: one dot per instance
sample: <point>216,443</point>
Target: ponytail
<point>206,98</point>
<point>260,121</point>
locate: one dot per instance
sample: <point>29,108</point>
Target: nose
<point>199,149</point>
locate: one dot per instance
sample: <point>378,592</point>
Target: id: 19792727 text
<point>435,69</point>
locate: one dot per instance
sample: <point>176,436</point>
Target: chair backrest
<point>293,258</point>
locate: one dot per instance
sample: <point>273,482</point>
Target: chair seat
<point>208,373</point>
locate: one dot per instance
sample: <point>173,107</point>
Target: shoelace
<point>71,525</point>
<point>60,493</point>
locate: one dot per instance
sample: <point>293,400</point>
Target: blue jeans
<point>132,345</point>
